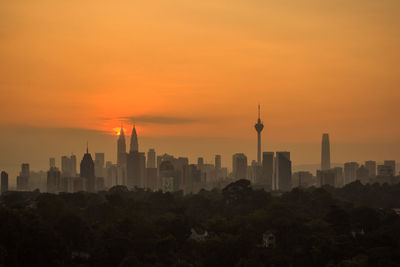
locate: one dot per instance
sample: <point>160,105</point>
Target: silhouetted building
<point>80,184</point>
<point>339,178</point>
<point>326,177</point>
<point>67,184</point>
<point>121,148</point>
<point>332,177</point>
<point>371,167</point>
<point>167,175</point>
<point>194,179</point>
<point>385,171</point>
<point>283,171</point>
<point>53,180</point>
<point>4,182</point>
<point>267,170</point>
<point>135,169</point>
<point>325,153</point>
<point>392,164</point>
<point>52,162</point>
<point>239,166</point>
<point>68,166</point>
<point>350,172</point>
<point>362,174</point>
<point>23,178</point>
<point>38,180</point>
<point>87,172</point>
<point>259,126</point>
<point>302,179</point>
<point>134,141</point>
<point>99,161</point>
<point>112,175</point>
<point>151,158</point>
<point>218,161</point>
<point>100,185</point>
<point>200,162</point>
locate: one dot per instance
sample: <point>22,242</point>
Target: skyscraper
<point>4,182</point>
<point>136,169</point>
<point>371,167</point>
<point>68,166</point>
<point>325,153</point>
<point>121,148</point>
<point>218,161</point>
<point>134,140</point>
<point>200,162</point>
<point>350,172</point>
<point>259,127</point>
<point>23,178</point>
<point>267,170</point>
<point>87,171</point>
<point>151,158</point>
<point>52,162</point>
<point>135,164</point>
<point>283,172</point>
<point>99,161</point>
<point>392,164</point>
<point>239,166</point>
<point>53,180</point>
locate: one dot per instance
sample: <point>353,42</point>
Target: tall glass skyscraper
<point>325,153</point>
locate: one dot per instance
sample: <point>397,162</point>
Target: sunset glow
<point>183,69</point>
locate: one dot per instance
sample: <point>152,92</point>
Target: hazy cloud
<point>161,119</point>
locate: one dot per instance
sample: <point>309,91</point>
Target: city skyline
<point>199,133</point>
<point>193,73</point>
<point>250,152</point>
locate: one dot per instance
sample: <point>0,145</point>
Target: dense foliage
<point>352,226</point>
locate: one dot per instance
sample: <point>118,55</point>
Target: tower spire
<point>259,127</point>
<point>134,140</point>
<point>87,147</point>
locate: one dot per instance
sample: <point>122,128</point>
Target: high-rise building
<point>99,161</point>
<point>362,174</point>
<point>4,182</point>
<point>200,162</point>
<point>302,179</point>
<point>326,177</point>
<point>325,153</point>
<point>121,148</point>
<point>68,166</point>
<point>239,166</point>
<point>259,126</point>
<point>267,170</point>
<point>87,172</point>
<point>385,171</point>
<point>218,161</point>
<point>53,180</point>
<point>283,172</point>
<point>151,158</point>
<point>136,164</point>
<point>332,177</point>
<point>167,175</point>
<point>134,141</point>
<point>136,169</point>
<point>350,172</point>
<point>52,162</point>
<point>339,179</point>
<point>371,167</point>
<point>23,178</point>
<point>392,164</point>
<point>73,165</point>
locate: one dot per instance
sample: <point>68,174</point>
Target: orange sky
<point>199,68</point>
